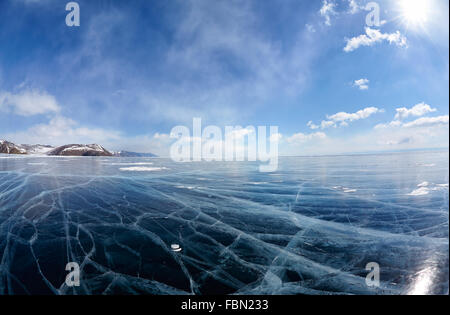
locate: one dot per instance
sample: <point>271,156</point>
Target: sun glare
<point>415,13</point>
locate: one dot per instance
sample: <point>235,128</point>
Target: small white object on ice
<point>420,192</point>
<point>175,247</point>
<point>142,169</point>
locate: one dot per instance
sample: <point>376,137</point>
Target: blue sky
<point>135,69</point>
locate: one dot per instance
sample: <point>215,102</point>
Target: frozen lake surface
<point>309,228</point>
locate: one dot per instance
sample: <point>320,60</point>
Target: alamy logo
<point>73,278</point>
<point>73,17</point>
<point>240,144</point>
<point>373,18</point>
<point>373,277</point>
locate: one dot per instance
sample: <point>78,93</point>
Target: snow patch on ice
<point>185,187</point>
<point>131,163</point>
<point>142,169</point>
<point>426,187</point>
<point>420,191</point>
<point>345,189</point>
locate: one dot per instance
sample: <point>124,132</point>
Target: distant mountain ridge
<point>7,147</point>
<point>80,150</point>
<point>11,148</point>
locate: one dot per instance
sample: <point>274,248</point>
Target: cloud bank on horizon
<point>131,72</point>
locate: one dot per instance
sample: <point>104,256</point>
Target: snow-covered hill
<point>38,149</point>
<point>7,147</point>
<point>80,150</point>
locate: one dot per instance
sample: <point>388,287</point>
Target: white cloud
<point>427,122</point>
<point>28,102</point>
<point>327,10</point>
<point>422,137</point>
<point>301,137</point>
<point>362,84</point>
<point>323,125</point>
<point>276,137</point>
<point>374,36</point>
<point>343,118</point>
<point>421,133</point>
<point>311,125</point>
<point>327,123</point>
<point>361,114</point>
<point>230,28</point>
<point>428,133</point>
<point>162,136</point>
<point>241,133</point>
<point>394,123</point>
<point>61,130</point>
<point>418,110</point>
<point>420,122</point>
<point>202,29</point>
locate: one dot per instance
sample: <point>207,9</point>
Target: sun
<point>415,13</point>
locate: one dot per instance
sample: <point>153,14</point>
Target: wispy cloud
<point>218,65</point>
<point>427,121</point>
<point>362,84</point>
<point>394,123</point>
<point>310,28</point>
<point>62,130</point>
<point>302,137</point>
<point>312,125</point>
<point>361,114</point>
<point>425,132</point>
<point>373,37</point>
<point>418,110</point>
<point>131,79</point>
<point>28,102</point>
<point>327,10</point>
<point>323,125</point>
<point>420,122</point>
<point>343,118</point>
<point>354,6</point>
